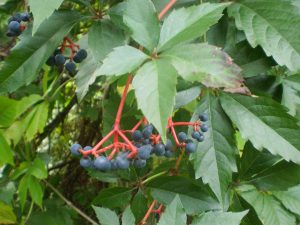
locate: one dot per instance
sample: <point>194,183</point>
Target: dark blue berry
<point>71,68</point>
<point>201,138</point>
<point>102,163</point>
<point>144,151</point>
<point>122,163</point>
<point>203,117</point>
<point>60,60</point>
<point>169,154</point>
<point>80,56</point>
<point>198,136</point>
<point>138,145</point>
<point>86,148</point>
<point>182,137</point>
<point>190,147</point>
<point>159,149</point>
<point>25,16</point>
<point>51,61</point>
<point>204,128</point>
<point>86,162</point>
<point>14,26</point>
<point>137,135</point>
<point>146,141</point>
<point>169,145</point>
<point>147,131</point>
<point>75,149</point>
<point>16,17</point>
<point>140,163</point>
<point>11,33</point>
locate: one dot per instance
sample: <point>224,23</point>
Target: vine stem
<point>69,203</point>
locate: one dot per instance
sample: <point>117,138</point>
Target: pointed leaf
<point>141,17</point>
<point>214,160</point>
<point>5,152</point>
<point>155,90</point>
<point>128,217</point>
<point>38,169</point>
<point>186,96</point>
<point>106,216</point>
<point>35,190</point>
<point>205,63</point>
<point>220,218</point>
<point>40,12</point>
<point>122,60</point>
<point>264,26</point>
<point>268,209</point>
<point>174,214</point>
<point>290,199</point>
<point>139,205</point>
<point>186,24</point>
<point>291,94</point>
<point>265,123</point>
<point>26,59</point>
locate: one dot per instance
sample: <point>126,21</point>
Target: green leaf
<point>139,205</point>
<point>35,190</point>
<point>290,199</point>
<point>264,26</point>
<point>38,169</point>
<point>214,160</point>
<point>5,152</point>
<point>26,59</point>
<point>122,60</point>
<point>155,90</point>
<point>141,17</point>
<point>205,63</point>
<point>103,37</point>
<point>41,10</point>
<point>128,217</point>
<point>174,214</point>
<point>220,218</point>
<point>22,190</point>
<point>268,209</point>
<point>7,215</point>
<point>186,96</point>
<point>291,94</point>
<point>265,123</point>
<point>186,24</point>
<point>194,198</point>
<point>106,216</point>
<point>115,197</point>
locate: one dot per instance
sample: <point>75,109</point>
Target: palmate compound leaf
<point>22,65</point>
<point>219,218</point>
<point>186,24</point>
<point>205,63</point>
<point>214,161</point>
<point>155,90</point>
<point>265,123</point>
<point>40,12</point>
<point>272,24</point>
<point>141,17</point>
<point>267,208</point>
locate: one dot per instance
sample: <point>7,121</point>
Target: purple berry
<point>75,149</point>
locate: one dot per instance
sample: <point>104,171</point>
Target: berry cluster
<point>15,26</point>
<point>143,144</point>
<point>60,60</point>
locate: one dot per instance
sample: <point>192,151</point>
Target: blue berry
<point>169,145</point>
<point>144,151</point>
<point>80,56</point>
<point>86,162</point>
<point>51,61</point>
<point>201,138</point>
<point>102,163</point>
<point>138,145</point>
<point>11,33</point>
<point>189,141</point>
<point>137,135</point>
<point>159,149</point>
<point>140,163</point>
<point>122,163</point>
<point>147,131</point>
<point>203,117</point>
<point>75,149</point>
<point>204,128</point>
<point>14,26</point>
<point>114,164</point>
<point>71,68</point>
<point>16,17</point>
<point>25,16</point>
<point>60,60</point>
<point>169,154</point>
<point>182,137</point>
<point>190,147</point>
<point>146,141</point>
<point>86,148</point>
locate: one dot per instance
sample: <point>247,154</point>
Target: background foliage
<point>237,61</point>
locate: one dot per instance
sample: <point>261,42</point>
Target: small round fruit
<point>14,26</point>
<point>169,154</point>
<point>85,162</point>
<point>86,148</point>
<point>11,33</point>
<point>25,16</point>
<point>203,117</point>
<point>144,151</point>
<point>114,164</point>
<point>169,145</point>
<point>122,163</point>
<point>71,68</point>
<point>60,60</point>
<point>75,149</point>
<point>51,61</point>
<point>204,128</point>
<point>80,56</point>
<point>201,138</point>
<point>147,131</point>
<point>190,147</point>
<point>159,149</point>
<point>102,163</point>
<point>137,135</point>
<point>140,163</point>
<point>182,137</point>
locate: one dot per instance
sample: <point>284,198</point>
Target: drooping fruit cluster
<point>15,24</point>
<point>68,62</point>
<point>144,143</point>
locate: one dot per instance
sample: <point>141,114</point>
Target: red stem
<point>143,221</point>
<point>166,8</point>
